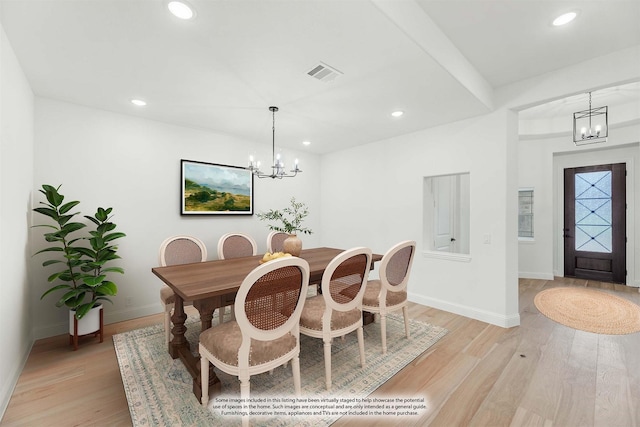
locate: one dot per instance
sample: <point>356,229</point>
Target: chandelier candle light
<point>590,126</point>
<point>277,170</point>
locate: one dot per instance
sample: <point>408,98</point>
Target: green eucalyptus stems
<point>290,218</point>
<point>83,271</point>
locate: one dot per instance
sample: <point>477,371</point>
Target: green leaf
<point>67,207</point>
<point>53,196</point>
<point>86,252</point>
<point>102,214</point>
<point>92,219</point>
<point>45,225</point>
<point>83,309</point>
<point>113,270</point>
<point>113,236</point>
<point>46,188</point>
<point>72,298</point>
<point>96,243</point>
<point>64,219</point>
<point>55,288</point>
<point>51,213</point>
<point>51,262</point>
<point>51,249</point>
<point>72,226</point>
<point>93,281</point>
<point>107,288</point>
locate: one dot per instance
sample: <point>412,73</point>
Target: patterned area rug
<point>158,388</point>
<point>589,310</point>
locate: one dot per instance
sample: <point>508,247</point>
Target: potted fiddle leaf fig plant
<point>82,258</point>
<point>289,220</point>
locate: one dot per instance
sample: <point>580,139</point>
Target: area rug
<point>589,310</point>
<point>158,388</point>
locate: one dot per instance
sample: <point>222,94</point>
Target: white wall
<point>535,170</point>
<point>133,165</point>
<point>16,182</point>
<point>372,196</point>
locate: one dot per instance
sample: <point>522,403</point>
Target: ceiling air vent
<point>324,73</point>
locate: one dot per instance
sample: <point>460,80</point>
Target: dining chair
<point>389,293</point>
<point>266,332</point>
<point>275,240</point>
<point>338,309</point>
<point>177,250</point>
<point>235,245</point>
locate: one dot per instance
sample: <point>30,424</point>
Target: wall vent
<point>324,72</point>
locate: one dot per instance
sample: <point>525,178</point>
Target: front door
<point>595,222</point>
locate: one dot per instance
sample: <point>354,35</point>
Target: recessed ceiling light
<point>138,102</point>
<point>306,142</point>
<point>181,9</point>
<point>397,113</point>
<point>564,19</point>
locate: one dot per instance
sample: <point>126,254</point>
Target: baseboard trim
<point>530,275</point>
<point>9,384</point>
<point>503,321</point>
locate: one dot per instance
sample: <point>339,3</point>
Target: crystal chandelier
<point>277,170</point>
<point>590,126</point>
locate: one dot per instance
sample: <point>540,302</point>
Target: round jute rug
<point>589,310</point>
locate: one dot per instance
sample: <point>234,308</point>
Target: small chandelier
<point>591,126</point>
<point>277,170</point>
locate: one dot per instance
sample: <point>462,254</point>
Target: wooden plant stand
<point>73,339</point>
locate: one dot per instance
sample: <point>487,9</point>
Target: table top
<point>220,277</point>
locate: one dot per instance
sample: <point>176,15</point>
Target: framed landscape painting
<point>213,189</point>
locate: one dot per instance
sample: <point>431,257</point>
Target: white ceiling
<point>437,60</point>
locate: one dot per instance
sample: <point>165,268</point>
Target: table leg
<point>178,318</point>
<point>206,308</point>
<point>179,345</point>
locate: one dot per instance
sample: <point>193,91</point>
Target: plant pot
<point>91,323</point>
<point>292,245</point>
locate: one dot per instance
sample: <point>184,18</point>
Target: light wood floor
<point>538,374</point>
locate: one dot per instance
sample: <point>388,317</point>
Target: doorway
<point>595,222</point>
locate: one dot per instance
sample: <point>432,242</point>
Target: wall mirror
<point>446,213</point>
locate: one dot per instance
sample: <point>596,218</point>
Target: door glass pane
<point>593,211</point>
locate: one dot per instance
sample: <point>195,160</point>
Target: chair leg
<point>295,368</point>
<point>327,363</point>
<point>405,312</point>
<point>204,377</point>
<point>361,345</point>
<point>383,332</point>
<point>244,395</point>
<point>167,323</point>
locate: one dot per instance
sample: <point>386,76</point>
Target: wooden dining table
<point>214,284</point>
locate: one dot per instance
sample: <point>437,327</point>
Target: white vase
<point>89,323</point>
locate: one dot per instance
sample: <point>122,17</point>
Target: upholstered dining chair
<point>266,331</point>
<point>389,293</point>
<point>275,240</point>
<point>338,310</point>
<point>235,245</point>
<point>177,250</point>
